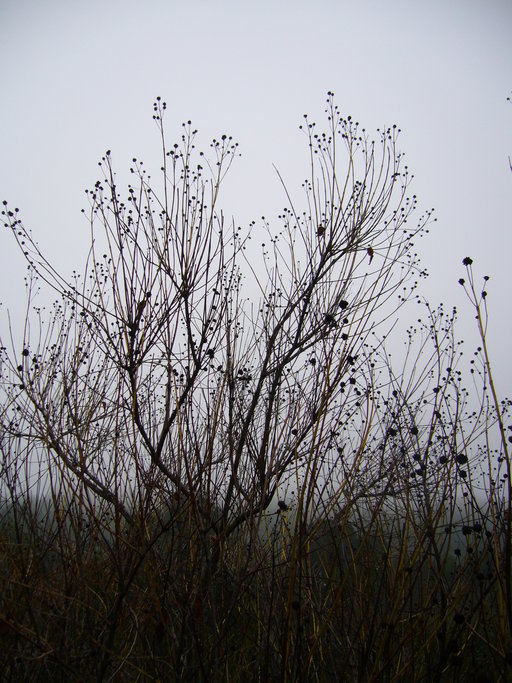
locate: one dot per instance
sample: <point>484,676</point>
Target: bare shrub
<point>211,468</point>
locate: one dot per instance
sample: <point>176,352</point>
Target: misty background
<point>80,78</point>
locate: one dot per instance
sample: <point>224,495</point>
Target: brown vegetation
<point>211,469</point>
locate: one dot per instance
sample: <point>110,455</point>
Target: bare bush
<point>212,470</point>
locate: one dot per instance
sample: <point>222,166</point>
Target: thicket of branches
<point>210,468</point>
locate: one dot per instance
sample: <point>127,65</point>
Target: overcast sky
<point>80,77</point>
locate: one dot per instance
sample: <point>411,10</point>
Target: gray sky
<point>80,77</point>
